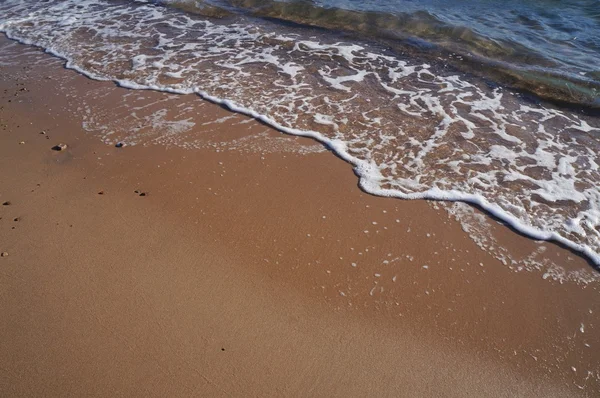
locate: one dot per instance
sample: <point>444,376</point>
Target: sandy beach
<point>211,255</point>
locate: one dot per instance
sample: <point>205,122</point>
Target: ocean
<point>493,104</point>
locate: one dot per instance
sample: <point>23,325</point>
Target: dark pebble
<point>59,147</point>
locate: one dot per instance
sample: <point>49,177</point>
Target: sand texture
<point>213,256</point>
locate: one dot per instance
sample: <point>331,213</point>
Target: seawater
<point>548,47</point>
<point>409,117</point>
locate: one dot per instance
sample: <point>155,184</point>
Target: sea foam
<point>411,129</point>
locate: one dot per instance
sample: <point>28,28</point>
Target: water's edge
<point>363,169</point>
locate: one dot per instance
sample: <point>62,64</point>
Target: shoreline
<point>281,219</point>
<point>364,170</point>
<point>360,168</point>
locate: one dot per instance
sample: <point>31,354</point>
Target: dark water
<point>548,47</point>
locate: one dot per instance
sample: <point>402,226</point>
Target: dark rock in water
<point>59,147</point>
<point>120,145</point>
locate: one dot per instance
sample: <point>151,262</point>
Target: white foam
<point>536,168</point>
<point>480,230</point>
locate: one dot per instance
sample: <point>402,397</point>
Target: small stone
<point>59,147</point>
<point>42,132</point>
<point>7,203</point>
<point>17,219</point>
<point>22,143</point>
<point>101,193</point>
<point>143,194</point>
<point>120,145</point>
<point>4,254</point>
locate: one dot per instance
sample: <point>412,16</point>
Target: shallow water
<point>414,126</point>
<point>551,47</point>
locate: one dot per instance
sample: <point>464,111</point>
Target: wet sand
<point>253,265</point>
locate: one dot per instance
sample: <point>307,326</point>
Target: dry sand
<point>252,266</point>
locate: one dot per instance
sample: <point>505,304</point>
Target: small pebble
<point>22,143</point>
<point>7,203</point>
<point>101,193</point>
<point>120,145</point>
<point>143,194</point>
<point>4,254</point>
<point>59,147</point>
